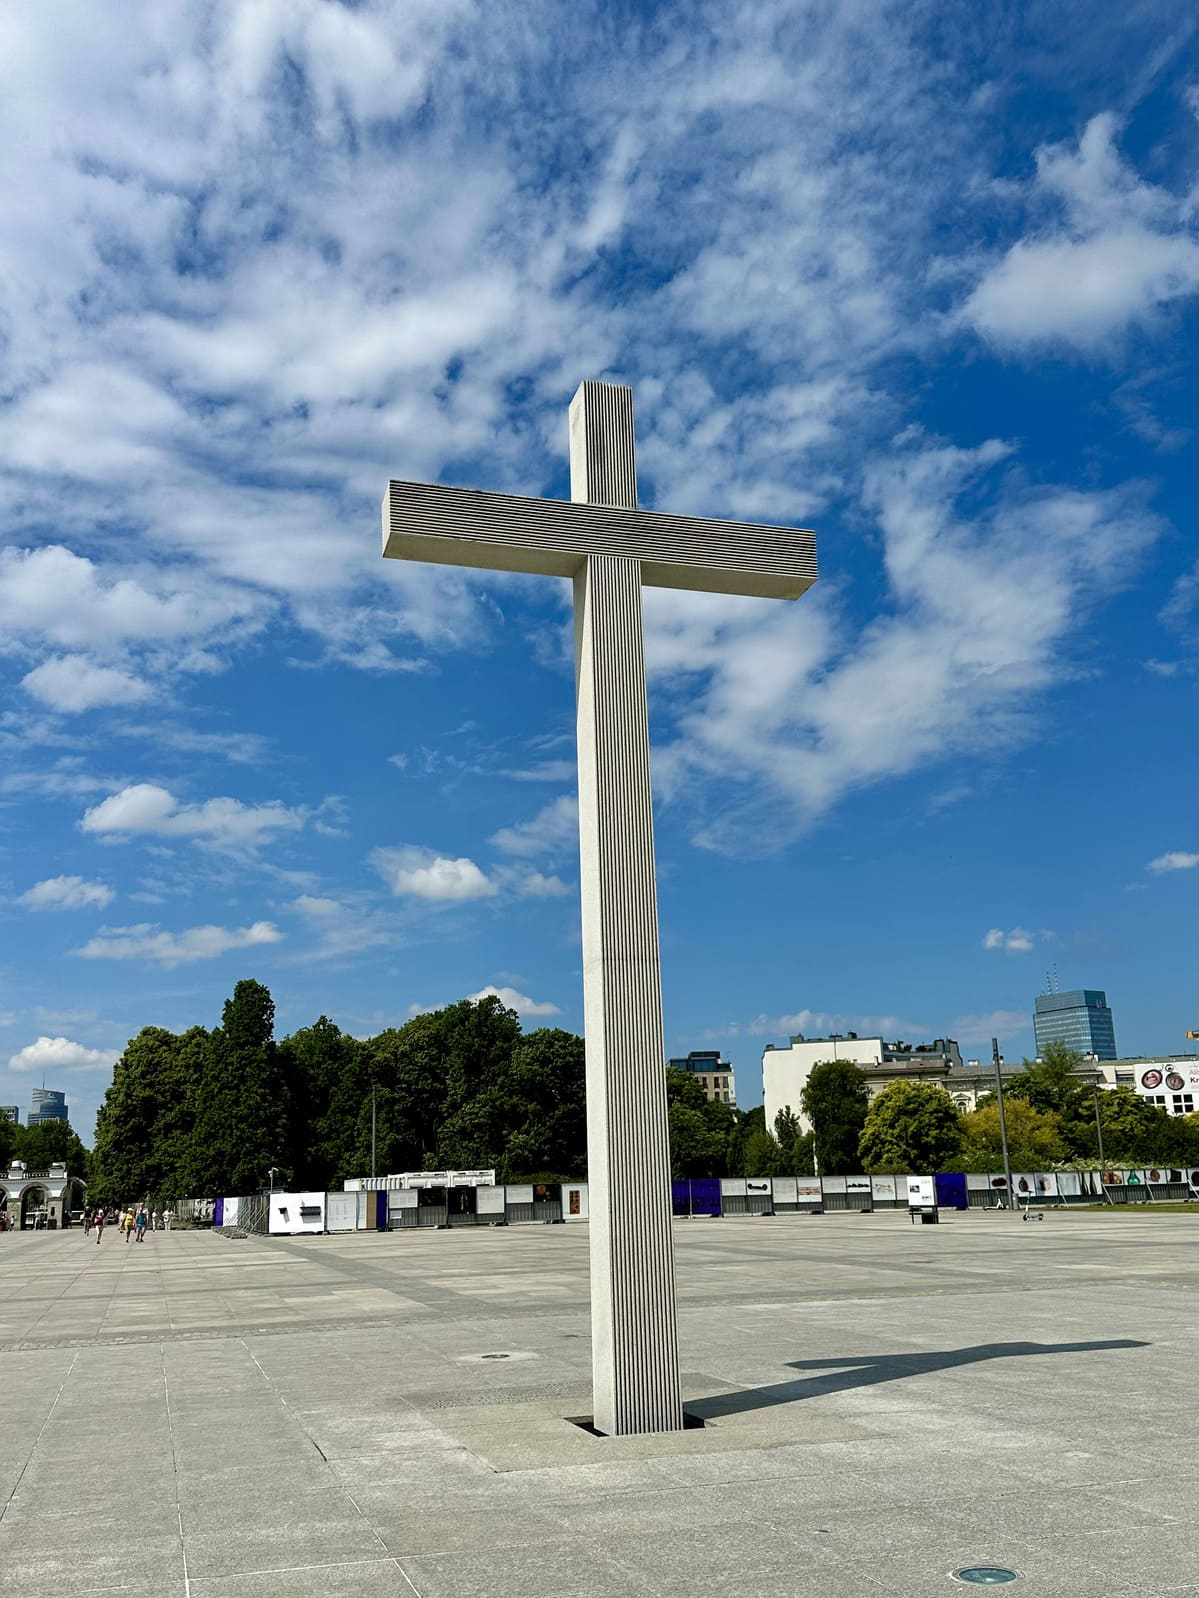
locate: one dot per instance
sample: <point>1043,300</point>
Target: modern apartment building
<point>713,1074</point>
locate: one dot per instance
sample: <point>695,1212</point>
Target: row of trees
<point>205,1112</point>
<point>1051,1116</point>
<point>41,1146</point>
<point>209,1112</point>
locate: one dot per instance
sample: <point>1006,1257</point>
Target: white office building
<point>785,1071</point>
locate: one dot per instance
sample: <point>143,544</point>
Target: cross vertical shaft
<point>635,1364</point>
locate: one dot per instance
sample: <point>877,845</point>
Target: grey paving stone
<point>375,1579</point>
<point>833,1464</point>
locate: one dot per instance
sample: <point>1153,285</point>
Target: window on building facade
<point>1125,1079</point>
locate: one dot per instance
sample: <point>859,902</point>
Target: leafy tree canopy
<point>1035,1141</point>
<point>913,1126</point>
<point>835,1101</point>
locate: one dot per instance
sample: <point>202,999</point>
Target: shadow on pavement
<point>867,1370</point>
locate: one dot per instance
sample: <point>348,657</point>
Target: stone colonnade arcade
<point>609,548</point>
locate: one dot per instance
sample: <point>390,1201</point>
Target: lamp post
<point>270,1176</point>
<point>372,1131</point>
<point>1007,1164</point>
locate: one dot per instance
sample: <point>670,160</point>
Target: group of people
<point>130,1222</point>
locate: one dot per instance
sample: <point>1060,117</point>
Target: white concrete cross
<point>610,548</point>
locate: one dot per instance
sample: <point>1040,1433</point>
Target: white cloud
<point>774,705</point>
<point>342,927</point>
<point>512,1000</point>
<point>60,1054</point>
<point>827,1023</point>
<point>553,831</point>
<point>1017,941</point>
<point>73,683</point>
<point>66,893</point>
<point>146,942</point>
<point>1124,249</point>
<point>544,771</point>
<point>53,594</point>
<point>1174,860</point>
<point>995,1024</point>
<point>414,872</point>
<point>536,885</point>
<point>145,809</point>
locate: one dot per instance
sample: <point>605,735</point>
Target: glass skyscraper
<point>48,1105</point>
<point>1079,1019</point>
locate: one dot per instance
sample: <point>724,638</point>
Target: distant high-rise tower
<point>1079,1019</point>
<point>47,1105</point>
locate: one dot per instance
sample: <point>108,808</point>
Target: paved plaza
<point>386,1414</point>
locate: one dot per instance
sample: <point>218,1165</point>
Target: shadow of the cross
<point>866,1370</point>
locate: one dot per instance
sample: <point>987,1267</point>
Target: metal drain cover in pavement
<point>984,1575</point>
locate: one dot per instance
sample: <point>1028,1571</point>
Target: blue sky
<point>919,277</point>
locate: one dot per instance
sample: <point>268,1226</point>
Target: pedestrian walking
<point>157,1220</point>
<point>139,1225</point>
<point>168,1216</point>
<point>127,1224</point>
<point>100,1219</point>
<point>87,1223</point>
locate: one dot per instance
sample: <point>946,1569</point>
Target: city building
<point>785,1071</point>
<point>713,1074</point>
<point>47,1105</point>
<point>10,1112</point>
<point>1170,1081</point>
<point>1080,1019</point>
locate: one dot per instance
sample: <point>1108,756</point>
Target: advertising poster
<point>834,1184</point>
<point>757,1187</point>
<point>1024,1184</point>
<point>882,1187</point>
<point>857,1184</point>
<point>784,1189</point>
<point>521,1194</point>
<point>1155,1174</point>
<point>1069,1184</point>
<point>732,1186</point>
<point>1047,1185</point>
<point>808,1190</point>
<point>491,1200</point>
<point>922,1192</point>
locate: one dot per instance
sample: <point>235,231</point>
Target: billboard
<point>882,1187</point>
<point>922,1193</point>
<point>784,1189</point>
<point>808,1190</point>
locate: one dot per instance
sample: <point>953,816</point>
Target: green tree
<point>1052,1084</point>
<point>699,1132</point>
<point>8,1142</point>
<point>50,1142</point>
<point>797,1146</point>
<point>243,1110</point>
<point>835,1101</point>
<point>1035,1141</point>
<point>543,1119</point>
<point>911,1126</point>
<point>330,1089</point>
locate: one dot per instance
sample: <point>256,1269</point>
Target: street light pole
<point>372,1131</point>
<point>1007,1164</point>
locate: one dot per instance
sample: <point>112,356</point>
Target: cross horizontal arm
<point>505,532</point>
